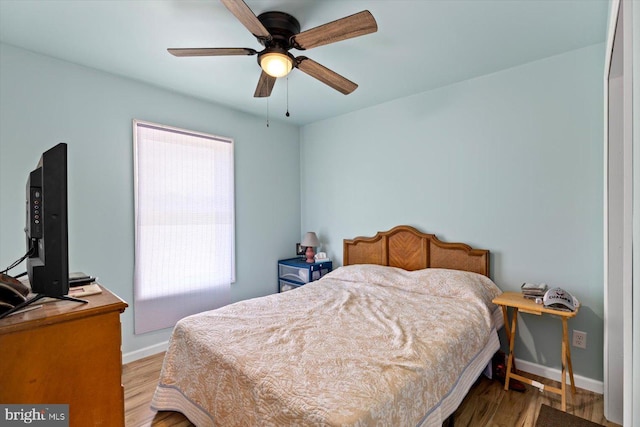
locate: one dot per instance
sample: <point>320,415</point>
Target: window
<point>184,224</point>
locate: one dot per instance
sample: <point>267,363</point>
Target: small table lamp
<point>310,241</point>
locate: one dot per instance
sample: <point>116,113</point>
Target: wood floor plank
<point>479,406</point>
<point>486,404</point>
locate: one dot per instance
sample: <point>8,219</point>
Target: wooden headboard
<point>405,247</point>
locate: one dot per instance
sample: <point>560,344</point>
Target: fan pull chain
<point>267,111</point>
<point>287,114</point>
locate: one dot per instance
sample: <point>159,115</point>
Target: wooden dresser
<point>66,353</point>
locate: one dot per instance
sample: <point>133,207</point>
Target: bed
<point>396,336</point>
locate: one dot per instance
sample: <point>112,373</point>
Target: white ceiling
<point>420,44</point>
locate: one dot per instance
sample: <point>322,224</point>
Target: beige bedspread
<point>365,345</point>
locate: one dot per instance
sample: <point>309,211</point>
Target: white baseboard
<point>555,374</point>
<point>144,352</point>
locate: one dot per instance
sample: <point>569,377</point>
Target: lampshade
<point>310,239</point>
<point>276,64</point>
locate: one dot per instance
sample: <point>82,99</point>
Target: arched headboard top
<point>405,247</point>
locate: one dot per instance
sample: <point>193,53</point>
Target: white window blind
<point>184,224</point>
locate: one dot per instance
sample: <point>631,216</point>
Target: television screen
<point>46,224</point>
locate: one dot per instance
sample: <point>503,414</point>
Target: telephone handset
<point>12,292</point>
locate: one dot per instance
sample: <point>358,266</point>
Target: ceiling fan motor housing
<point>281,26</point>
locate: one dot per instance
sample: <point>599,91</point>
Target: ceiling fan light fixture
<point>276,64</point>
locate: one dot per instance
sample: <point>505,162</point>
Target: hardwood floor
<point>487,404</point>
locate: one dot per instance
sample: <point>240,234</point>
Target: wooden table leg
<point>507,328</point>
<point>565,337</point>
<point>563,377</point>
<point>512,341</point>
<point>566,361</point>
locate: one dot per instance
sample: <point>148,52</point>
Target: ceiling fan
<point>279,32</point>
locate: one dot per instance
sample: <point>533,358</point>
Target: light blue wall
<point>44,101</point>
<point>510,162</point>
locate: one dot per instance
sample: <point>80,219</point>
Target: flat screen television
<point>47,224</point>
<point>47,229</point>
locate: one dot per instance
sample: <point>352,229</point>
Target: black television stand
<point>38,297</point>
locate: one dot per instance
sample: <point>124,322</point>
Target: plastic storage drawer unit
<point>295,272</point>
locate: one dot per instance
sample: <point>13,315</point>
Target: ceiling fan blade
<point>325,75</point>
<point>265,86</point>
<point>215,51</point>
<point>246,16</point>
<point>355,25</point>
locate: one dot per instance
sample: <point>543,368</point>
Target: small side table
<point>519,303</point>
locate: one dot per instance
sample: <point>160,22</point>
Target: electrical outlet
<point>579,339</point>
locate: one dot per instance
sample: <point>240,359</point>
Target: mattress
<point>365,345</point>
